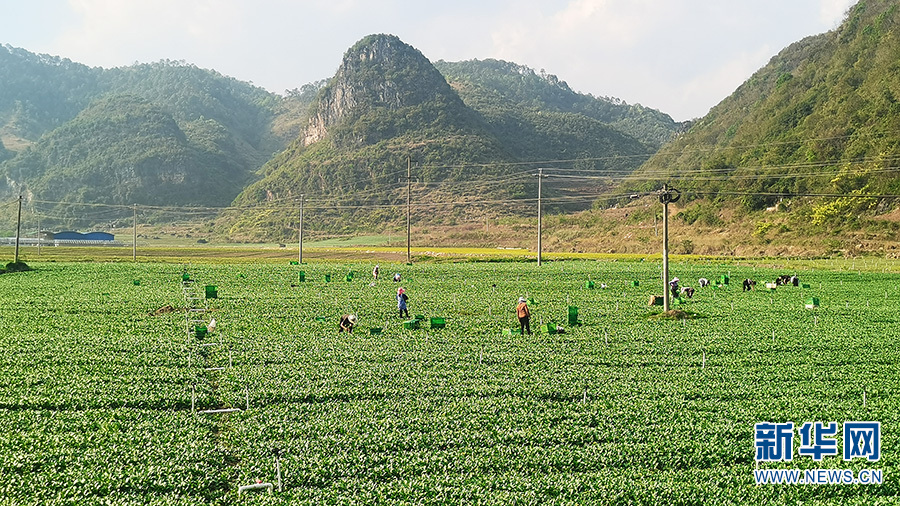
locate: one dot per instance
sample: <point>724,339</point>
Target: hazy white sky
<point>679,56</point>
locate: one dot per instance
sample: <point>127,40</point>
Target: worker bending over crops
<point>674,286</point>
<point>347,323</point>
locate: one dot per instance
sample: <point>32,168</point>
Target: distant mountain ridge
<point>824,107</point>
<point>67,134</point>
<point>387,106</point>
<point>484,84</point>
<point>91,135</point>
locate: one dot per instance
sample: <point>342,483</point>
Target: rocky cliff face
<point>380,71</point>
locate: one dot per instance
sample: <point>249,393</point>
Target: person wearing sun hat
<point>347,323</point>
<point>401,302</point>
<point>524,315</point>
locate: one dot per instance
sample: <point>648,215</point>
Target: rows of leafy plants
<point>95,392</point>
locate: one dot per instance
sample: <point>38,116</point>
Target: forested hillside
<point>166,133</point>
<point>808,147</point>
<point>497,88</point>
<point>388,106</point>
<point>822,117</point>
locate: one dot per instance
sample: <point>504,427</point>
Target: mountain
<point>387,106</point>
<point>165,133</point>
<point>497,88</point>
<point>822,117</point>
<point>125,149</point>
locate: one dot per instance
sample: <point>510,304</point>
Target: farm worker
<point>347,323</point>
<point>674,285</point>
<point>686,290</point>
<point>396,277</point>
<point>524,316</point>
<point>375,272</point>
<point>401,302</point>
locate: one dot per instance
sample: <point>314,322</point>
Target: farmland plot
<point>96,394</point>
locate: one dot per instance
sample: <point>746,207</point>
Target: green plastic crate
<point>200,331</point>
<point>411,324</point>
<point>512,332</point>
<point>301,276</point>
<point>812,303</point>
<point>589,285</point>
<point>375,331</point>
<point>549,328</point>
<point>212,292</point>
<point>328,278</point>
<point>635,283</point>
<point>573,315</point>
<point>438,323</point>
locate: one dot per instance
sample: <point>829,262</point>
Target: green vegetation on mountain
<point>388,104</point>
<point>124,149</point>
<point>165,133</point>
<point>806,148</point>
<point>822,117</point>
<point>495,87</point>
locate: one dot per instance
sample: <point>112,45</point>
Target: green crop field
<point>101,394</point>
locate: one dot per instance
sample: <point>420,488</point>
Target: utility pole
<point>18,229</point>
<point>300,240</point>
<point>666,196</point>
<point>39,230</point>
<point>540,178</point>
<point>134,233</point>
<point>408,205</point>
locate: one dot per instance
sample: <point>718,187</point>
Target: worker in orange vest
<point>524,316</point>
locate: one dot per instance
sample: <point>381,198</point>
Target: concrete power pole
<point>134,233</point>
<point>540,176</point>
<point>18,229</point>
<point>666,195</point>
<point>408,205</point>
<point>300,238</point>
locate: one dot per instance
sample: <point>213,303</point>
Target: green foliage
<point>162,133</point>
<point>486,85</point>
<point>822,117</point>
<point>96,386</point>
<point>124,150</point>
<point>702,212</point>
<point>15,267</point>
<point>401,108</point>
